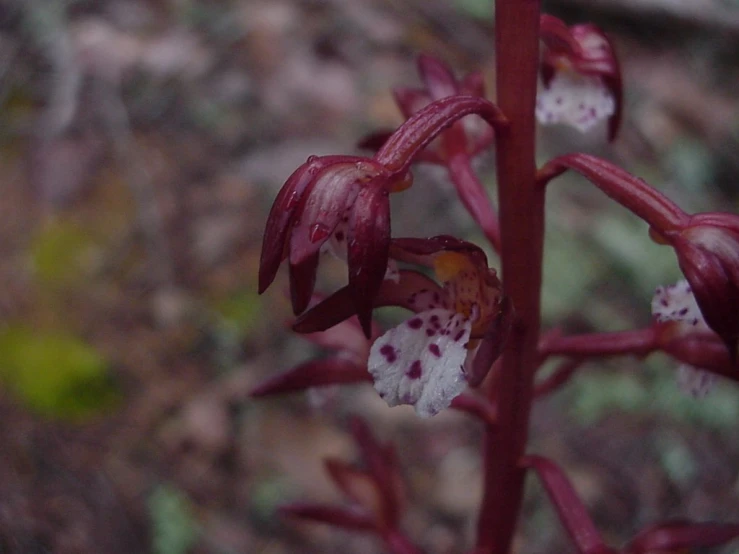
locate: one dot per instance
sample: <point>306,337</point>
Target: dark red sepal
<point>345,518</point>
<point>339,306</point>
<point>315,373</point>
<point>303,282</point>
<point>492,344</point>
<point>677,535</point>
<point>279,221</point>
<point>382,463</point>
<point>713,274</point>
<point>437,77</point>
<point>368,249</point>
<point>571,510</point>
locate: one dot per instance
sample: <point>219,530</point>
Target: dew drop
<point>319,231</point>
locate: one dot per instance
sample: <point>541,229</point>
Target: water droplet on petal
<point>319,231</point>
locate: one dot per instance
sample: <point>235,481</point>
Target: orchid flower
<point>456,333</point>
<point>581,79</point>
<point>676,306</point>
<point>707,250</point>
<point>426,359</point>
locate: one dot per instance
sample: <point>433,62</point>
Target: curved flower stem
<point>474,197</point>
<point>631,192</point>
<point>638,342</point>
<point>411,137</point>
<point>521,204</point>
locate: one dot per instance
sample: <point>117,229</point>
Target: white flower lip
<point>577,100</point>
<point>677,303</point>
<point>420,362</point>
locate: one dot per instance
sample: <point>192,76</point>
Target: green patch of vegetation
<point>174,528</point>
<point>653,392</point>
<point>61,253</point>
<point>56,374</point>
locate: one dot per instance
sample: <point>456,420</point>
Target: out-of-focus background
<point>141,144</point>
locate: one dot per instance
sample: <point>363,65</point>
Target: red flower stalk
<point>581,76</point>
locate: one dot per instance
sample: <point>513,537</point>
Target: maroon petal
<point>339,306</point>
<point>437,77</point>
<point>303,282</point>
<point>279,221</point>
<point>673,536</point>
<point>368,247</point>
<point>421,251</point>
<point>382,463</point>
<point>557,36</point>
<point>315,373</point>
<point>331,311</point>
<point>346,518</point>
<point>356,484</point>
<point>572,512</point>
<point>323,207</point>
<point>492,344</point>
<point>715,287</point>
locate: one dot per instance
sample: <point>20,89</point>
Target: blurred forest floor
<point>141,144</point>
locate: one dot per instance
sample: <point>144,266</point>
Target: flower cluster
<point>461,313</point>
<point>456,332</point>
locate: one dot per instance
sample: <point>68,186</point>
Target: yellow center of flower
<point>472,289</point>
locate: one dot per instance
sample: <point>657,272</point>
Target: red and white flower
<point>425,361</point>
<point>581,79</point>
<point>676,304</point>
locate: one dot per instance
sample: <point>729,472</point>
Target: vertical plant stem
<point>522,228</point>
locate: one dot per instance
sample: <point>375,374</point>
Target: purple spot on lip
<point>415,371</point>
<point>389,353</point>
<point>435,350</point>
